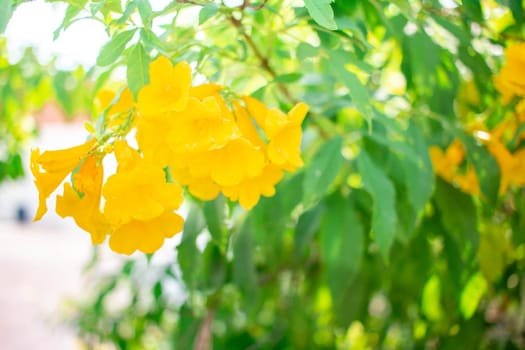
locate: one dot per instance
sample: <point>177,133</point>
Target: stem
<point>263,60</point>
<point>203,340</point>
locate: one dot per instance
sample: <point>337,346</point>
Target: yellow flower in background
<point>446,163</point>
<point>168,89</point>
<point>84,207</point>
<point>138,191</point>
<point>510,81</point>
<point>50,168</point>
<point>468,182</point>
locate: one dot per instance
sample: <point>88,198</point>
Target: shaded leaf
<point>384,218</point>
<point>323,170</point>
<point>342,244</point>
<point>487,168</point>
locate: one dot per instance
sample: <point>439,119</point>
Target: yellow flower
<point>468,182</point>
<point>445,163</point>
<point>249,190</point>
<point>510,81</point>
<point>168,88</point>
<point>246,126</point>
<point>138,191</point>
<point>200,127</point>
<point>283,132</point>
<point>50,168</point>
<point>118,113</point>
<point>229,165</point>
<point>146,236</point>
<point>85,209</point>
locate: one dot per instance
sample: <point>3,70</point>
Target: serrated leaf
<point>207,12</point>
<point>6,11</point>
<point>321,12</point>
<point>342,244</point>
<point>111,51</point>
<point>137,71</point>
<point>323,170</point>
<point>384,217</point>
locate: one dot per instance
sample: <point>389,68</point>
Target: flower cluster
<point>500,141</point>
<point>187,136</point>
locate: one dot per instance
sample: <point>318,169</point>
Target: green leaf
<point>431,299</point>
<point>384,217</point>
<point>458,215</point>
<point>243,261</point>
<point>215,215</point>
<point>342,244</point>
<point>288,78</point>
<point>358,92</point>
<point>137,70</point>
<point>307,225</point>
<point>187,252</point>
<point>14,167</point>
<point>111,51</point>
<point>6,11</point>
<point>323,170</point>
<point>207,12</point>
<point>516,7</point>
<point>145,12</point>
<point>305,50</point>
<point>73,9</point>
<point>418,173</point>
<point>487,168</point>
<point>472,294</point>
<point>321,12</point>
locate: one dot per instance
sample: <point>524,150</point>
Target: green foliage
<point>365,247</point>
<point>25,87</point>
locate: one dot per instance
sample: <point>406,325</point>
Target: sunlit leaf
<point>111,51</point>
<point>472,294</point>
<point>321,11</point>
<point>137,70</point>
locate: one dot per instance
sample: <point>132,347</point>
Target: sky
<point>34,22</point>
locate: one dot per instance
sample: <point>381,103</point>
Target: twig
<point>264,61</point>
<point>203,340</point>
